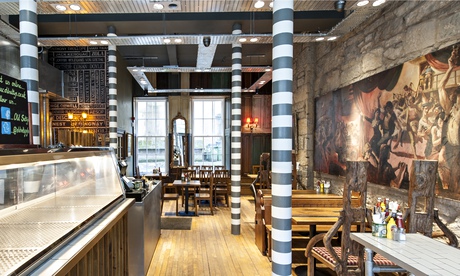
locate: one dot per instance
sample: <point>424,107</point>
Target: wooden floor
<point>210,248</point>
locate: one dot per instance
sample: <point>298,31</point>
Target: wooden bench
<point>300,199</point>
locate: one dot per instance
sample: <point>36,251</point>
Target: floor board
<point>209,248</point>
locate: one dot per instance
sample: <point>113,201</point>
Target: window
<point>151,132</point>
<point>208,131</point>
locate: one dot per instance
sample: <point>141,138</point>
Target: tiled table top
<point>418,254</point>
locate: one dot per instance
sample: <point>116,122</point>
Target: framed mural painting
<point>408,112</point>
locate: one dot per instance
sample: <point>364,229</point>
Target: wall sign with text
<point>14,111</point>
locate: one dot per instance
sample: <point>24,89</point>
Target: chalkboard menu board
<point>14,110</point>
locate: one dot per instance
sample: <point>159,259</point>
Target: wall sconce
<point>77,121</point>
<point>252,123</point>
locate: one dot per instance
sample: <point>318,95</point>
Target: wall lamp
<point>252,123</point>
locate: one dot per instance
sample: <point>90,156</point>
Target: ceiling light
<point>158,6</point>
<point>340,5</point>
<point>104,42</point>
<point>332,38</point>
<point>243,39</point>
<point>135,70</point>
<point>178,40</point>
<point>197,70</point>
<point>254,39</point>
<point>92,42</point>
<point>271,4</point>
<point>259,4</point>
<point>363,3</point>
<point>166,40</point>
<point>75,7</point>
<point>60,7</point>
<point>268,69</point>
<point>143,69</point>
<point>378,3</point>
<point>173,6</point>
<point>319,38</point>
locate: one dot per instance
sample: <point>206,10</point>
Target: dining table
<point>418,254</point>
<point>187,185</point>
<point>314,216</point>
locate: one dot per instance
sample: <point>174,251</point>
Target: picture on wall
<point>409,112</point>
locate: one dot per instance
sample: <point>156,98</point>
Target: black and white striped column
<point>236,134</point>
<point>283,27</point>
<point>113,113</point>
<point>29,61</point>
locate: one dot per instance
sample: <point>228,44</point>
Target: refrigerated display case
<point>48,197</point>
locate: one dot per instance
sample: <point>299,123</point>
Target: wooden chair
<point>421,213</point>
<point>348,259</point>
<point>195,168</point>
<point>205,167</point>
<point>222,185</point>
<point>166,195</point>
<point>206,190</point>
<point>219,168</point>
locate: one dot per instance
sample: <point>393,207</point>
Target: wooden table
<point>187,185</point>
<point>314,216</point>
<point>418,254</point>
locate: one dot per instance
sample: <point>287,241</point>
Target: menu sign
<point>14,111</point>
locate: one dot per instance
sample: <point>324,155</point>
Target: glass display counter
<point>46,197</point>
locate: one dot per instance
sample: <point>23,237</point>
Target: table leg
<point>186,200</point>
<point>369,264</point>
<point>312,230</point>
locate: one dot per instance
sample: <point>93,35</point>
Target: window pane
<point>152,139</point>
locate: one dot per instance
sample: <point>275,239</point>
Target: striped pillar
<point>236,134</point>
<point>283,27</point>
<point>112,69</point>
<point>29,61</point>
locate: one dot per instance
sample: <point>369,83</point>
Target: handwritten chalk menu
<point>14,110</point>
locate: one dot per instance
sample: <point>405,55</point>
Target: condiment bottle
<point>399,221</point>
<point>390,226</point>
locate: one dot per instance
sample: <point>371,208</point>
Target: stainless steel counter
<point>144,229</point>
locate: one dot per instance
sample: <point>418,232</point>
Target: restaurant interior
<point>163,137</point>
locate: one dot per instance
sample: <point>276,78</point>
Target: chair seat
<point>170,196</point>
<point>202,195</point>
<point>352,260</point>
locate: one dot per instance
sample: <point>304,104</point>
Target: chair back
<point>219,168</point>
<point>206,167</point>
<point>205,178</point>
<point>195,168</point>
<point>191,173</point>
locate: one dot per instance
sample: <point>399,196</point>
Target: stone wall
<point>402,31</point>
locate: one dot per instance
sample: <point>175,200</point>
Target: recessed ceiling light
<point>254,39</point>
<point>173,6</point>
<point>268,69</point>
<point>319,38</point>
<point>378,3</point>
<point>143,69</point>
<point>271,4</point>
<point>197,70</point>
<point>178,40</point>
<point>259,4</point>
<point>332,38</point>
<point>60,7</point>
<point>158,6</point>
<point>166,40</point>
<point>104,42</point>
<point>92,42</point>
<point>243,39</point>
<point>135,70</point>
<point>362,3</point>
<point>75,7</point>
